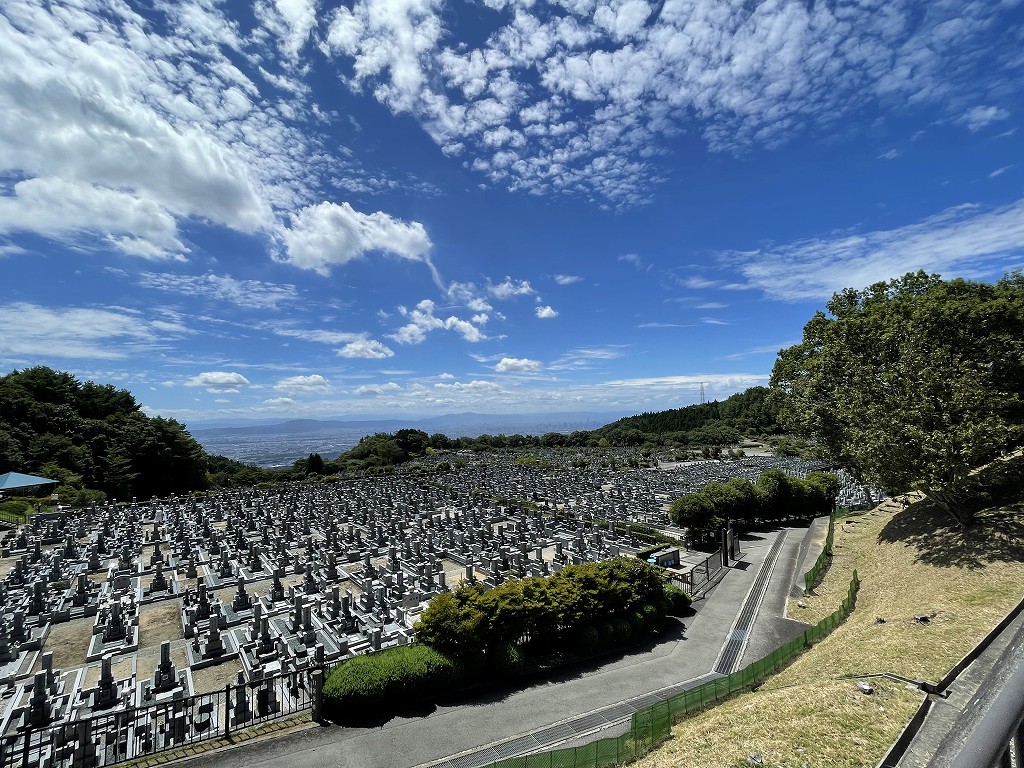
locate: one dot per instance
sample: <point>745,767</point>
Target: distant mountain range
<point>461,423</point>
<point>279,443</point>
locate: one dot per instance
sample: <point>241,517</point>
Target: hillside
<point>910,562</point>
<point>93,436</point>
<point>751,412</point>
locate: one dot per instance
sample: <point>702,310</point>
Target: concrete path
<point>461,735</point>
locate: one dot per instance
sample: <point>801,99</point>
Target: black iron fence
<point>136,732</point>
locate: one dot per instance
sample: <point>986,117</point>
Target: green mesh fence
<point>652,725</point>
<point>813,577</point>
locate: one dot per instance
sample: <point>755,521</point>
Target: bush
<point>366,686</point>
<point>622,631</point>
<point>678,600</point>
<point>15,507</point>
<point>509,660</point>
<point>587,640</point>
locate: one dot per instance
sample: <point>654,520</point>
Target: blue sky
<point>289,208</point>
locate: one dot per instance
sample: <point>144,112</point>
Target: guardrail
<point>652,725</point>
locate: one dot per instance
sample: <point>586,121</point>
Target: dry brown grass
<point>910,563</point>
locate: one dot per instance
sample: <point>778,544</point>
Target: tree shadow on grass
<point>997,535</point>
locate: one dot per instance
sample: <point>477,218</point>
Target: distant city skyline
<point>290,208</point>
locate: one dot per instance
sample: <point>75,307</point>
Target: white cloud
<point>509,288</point>
<point>69,210</point>
<point>219,382</point>
<point>977,118</point>
<point>422,320</point>
<point>291,21</point>
<point>251,294</point>
<point>517,365</point>
<point>712,321</point>
<point>545,312</point>
<point>366,348</point>
<point>275,402</point>
<point>585,357</point>
<point>581,97</point>
<point>1000,171</point>
<point>892,154</point>
<point>303,385</point>
<point>964,241</point>
<point>445,376</point>
<point>469,386</point>
<point>121,127</point>
<point>376,390</point>
<point>328,234</point>
<point>38,333</point>
<point>567,279</point>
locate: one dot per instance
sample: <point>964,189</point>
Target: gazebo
<point>14,481</point>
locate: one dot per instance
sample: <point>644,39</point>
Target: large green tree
<point>914,383</point>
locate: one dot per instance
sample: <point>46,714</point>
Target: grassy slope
<point>910,562</point>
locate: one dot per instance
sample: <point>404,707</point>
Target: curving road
<point>570,708</point>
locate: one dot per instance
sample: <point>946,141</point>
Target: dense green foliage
<point>775,496</point>
<point>914,383</point>
<point>368,685</point>
<point>543,616</point>
<point>94,436</point>
<point>751,412</point>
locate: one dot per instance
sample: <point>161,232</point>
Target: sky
<point>305,208</point>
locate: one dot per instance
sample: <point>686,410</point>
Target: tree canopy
<point>94,436</point>
<point>914,383</point>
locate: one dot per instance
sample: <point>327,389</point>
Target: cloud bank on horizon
<point>303,207</point>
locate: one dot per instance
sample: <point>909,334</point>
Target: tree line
<point>775,496</point>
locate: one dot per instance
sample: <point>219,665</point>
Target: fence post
<point>317,686</point>
<point>227,710</point>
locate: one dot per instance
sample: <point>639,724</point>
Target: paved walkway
<point>576,704</point>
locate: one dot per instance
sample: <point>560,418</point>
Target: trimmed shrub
<point>366,686</point>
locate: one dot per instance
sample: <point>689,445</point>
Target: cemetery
<point>131,627</point>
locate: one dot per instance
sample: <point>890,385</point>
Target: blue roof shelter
<point>11,481</point>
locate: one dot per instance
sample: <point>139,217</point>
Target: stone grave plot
<point>180,595</point>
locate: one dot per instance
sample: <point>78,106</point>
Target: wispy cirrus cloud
<point>251,294</point>
<point>966,241</point>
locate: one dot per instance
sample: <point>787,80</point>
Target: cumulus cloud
<point>329,234</point>
<point>123,139</point>
<point>303,385</point>
<point>545,312</point>
<point>965,240</point>
<point>422,321</point>
<point>219,382</point>
<point>366,348</point>
<point>517,365</point>
<point>509,288</point>
<point>476,385</point>
<point>376,390</point>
